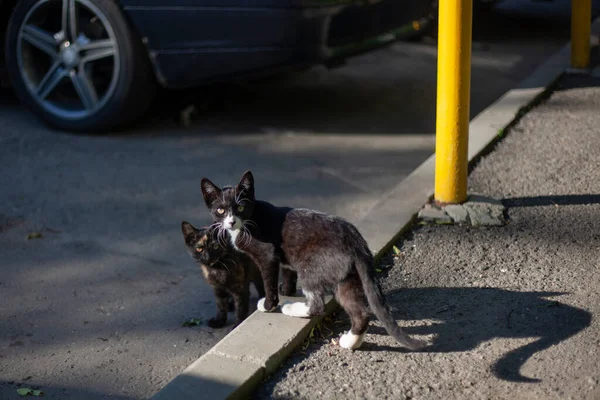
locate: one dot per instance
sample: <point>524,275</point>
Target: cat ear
<point>187,229</point>
<point>246,183</point>
<point>209,191</point>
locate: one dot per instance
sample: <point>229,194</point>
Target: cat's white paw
<point>298,310</point>
<point>285,307</point>
<point>350,341</point>
<point>261,306</point>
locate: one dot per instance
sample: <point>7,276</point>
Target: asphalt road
<point>94,307</point>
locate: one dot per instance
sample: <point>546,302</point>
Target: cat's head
<point>203,244</point>
<point>230,206</point>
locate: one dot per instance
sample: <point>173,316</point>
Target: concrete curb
<point>243,358</point>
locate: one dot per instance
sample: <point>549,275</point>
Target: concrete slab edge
<point>219,375</point>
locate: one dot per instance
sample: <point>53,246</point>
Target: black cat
<point>229,272</point>
<point>327,252</point>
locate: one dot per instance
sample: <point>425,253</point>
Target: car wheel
<point>77,64</point>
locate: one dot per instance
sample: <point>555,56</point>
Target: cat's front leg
<point>264,256</point>
<point>222,298</point>
<point>241,304</point>
<point>270,275</point>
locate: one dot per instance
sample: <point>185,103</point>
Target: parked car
<point>93,65</point>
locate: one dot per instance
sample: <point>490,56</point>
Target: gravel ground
<point>510,309</point>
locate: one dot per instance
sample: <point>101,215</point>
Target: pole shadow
<point>558,200</point>
<point>470,316</point>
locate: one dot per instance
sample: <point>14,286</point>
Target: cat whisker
<point>222,236</point>
<point>242,237</point>
<point>238,198</point>
<point>253,225</point>
<point>247,236</point>
<point>227,268</point>
<point>232,260</point>
<point>215,226</point>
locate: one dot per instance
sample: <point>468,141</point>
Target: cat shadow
<point>467,317</point>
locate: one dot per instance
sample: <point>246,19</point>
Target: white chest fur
<point>234,234</point>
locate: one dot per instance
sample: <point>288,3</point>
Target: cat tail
<point>379,306</point>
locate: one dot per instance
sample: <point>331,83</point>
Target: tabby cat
<point>229,272</point>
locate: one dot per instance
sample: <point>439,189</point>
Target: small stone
<point>482,218</point>
<point>592,381</point>
<point>431,213</point>
<point>457,212</point>
<point>484,211</point>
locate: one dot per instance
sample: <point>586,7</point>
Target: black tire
<point>135,82</point>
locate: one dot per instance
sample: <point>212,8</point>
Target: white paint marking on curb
<point>243,358</point>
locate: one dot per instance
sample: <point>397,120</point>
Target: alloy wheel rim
<point>68,57</point>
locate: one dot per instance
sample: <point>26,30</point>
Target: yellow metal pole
<point>453,97</point>
<point>581,29</point>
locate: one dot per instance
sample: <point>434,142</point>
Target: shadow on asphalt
<point>562,200</point>
<point>189,385</point>
<point>8,391</point>
<point>569,82</point>
<point>471,316</point>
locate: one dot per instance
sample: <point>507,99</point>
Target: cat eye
<point>215,246</point>
<point>199,249</point>
<point>240,208</point>
<point>220,211</point>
